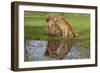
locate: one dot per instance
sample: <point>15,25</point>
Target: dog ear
<point>47,18</point>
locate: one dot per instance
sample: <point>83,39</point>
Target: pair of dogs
<point>57,25</point>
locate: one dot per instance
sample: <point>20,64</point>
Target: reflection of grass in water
<point>26,57</point>
<point>36,27</point>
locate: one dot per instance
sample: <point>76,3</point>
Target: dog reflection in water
<point>58,49</point>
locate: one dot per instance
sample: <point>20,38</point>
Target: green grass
<point>36,26</point>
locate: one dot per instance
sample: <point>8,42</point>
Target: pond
<point>38,50</point>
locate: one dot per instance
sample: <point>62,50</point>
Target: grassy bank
<point>36,26</point>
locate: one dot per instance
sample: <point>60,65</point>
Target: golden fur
<point>64,26</point>
<point>53,30</point>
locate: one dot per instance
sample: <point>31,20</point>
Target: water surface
<point>37,50</point>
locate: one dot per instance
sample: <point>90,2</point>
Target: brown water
<point>36,50</point>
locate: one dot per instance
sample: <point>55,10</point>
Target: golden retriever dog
<point>53,30</point>
<point>64,26</point>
